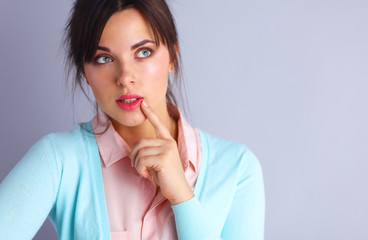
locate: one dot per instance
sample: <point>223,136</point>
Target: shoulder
<point>224,154</point>
<point>50,154</point>
<point>71,139</point>
<point>225,148</point>
<point>66,144</point>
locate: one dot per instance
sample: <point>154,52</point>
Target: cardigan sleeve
<point>245,217</point>
<point>192,222</point>
<point>28,192</point>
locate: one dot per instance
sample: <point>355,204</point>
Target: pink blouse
<point>136,210</point>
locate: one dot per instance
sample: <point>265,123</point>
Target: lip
<point>129,106</point>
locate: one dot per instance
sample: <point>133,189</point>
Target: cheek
<point>156,73</point>
<point>94,75</point>
<point>94,79</point>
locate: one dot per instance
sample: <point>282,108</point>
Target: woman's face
<point>128,66</point>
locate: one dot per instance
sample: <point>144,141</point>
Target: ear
<point>84,76</point>
<point>176,46</point>
<point>86,79</point>
<point>172,65</point>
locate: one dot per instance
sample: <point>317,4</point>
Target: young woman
<point>138,170</point>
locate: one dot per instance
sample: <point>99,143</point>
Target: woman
<point>138,170</point>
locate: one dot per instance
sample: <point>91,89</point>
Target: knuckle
<point>139,154</point>
<point>143,159</point>
<point>140,168</point>
<point>141,142</point>
<point>172,143</point>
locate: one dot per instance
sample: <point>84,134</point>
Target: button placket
<point>148,232</point>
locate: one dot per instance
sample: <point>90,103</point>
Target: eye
<point>103,59</point>
<point>144,53</point>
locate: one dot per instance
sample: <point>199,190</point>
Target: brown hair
<point>87,21</point>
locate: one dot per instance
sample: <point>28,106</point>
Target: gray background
<point>288,78</point>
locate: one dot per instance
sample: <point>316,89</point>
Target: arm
<point>28,193</point>
<point>247,214</point>
<point>191,221</point>
<point>245,217</point>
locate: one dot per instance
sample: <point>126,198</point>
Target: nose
<point>125,75</point>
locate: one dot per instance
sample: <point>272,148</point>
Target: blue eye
<point>144,53</point>
<point>103,59</point>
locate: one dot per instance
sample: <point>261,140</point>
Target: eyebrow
<point>141,43</point>
<point>137,45</point>
<point>103,48</point>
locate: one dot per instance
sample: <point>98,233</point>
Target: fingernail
<point>144,103</point>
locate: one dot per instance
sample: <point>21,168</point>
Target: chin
<point>131,120</point>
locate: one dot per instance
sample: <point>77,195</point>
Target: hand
<point>159,159</point>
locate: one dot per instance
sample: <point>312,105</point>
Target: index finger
<point>160,129</point>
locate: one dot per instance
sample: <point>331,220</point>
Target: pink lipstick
<point>129,102</point>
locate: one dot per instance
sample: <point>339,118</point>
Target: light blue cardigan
<point>60,177</point>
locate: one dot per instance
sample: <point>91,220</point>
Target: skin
<point>118,69</point>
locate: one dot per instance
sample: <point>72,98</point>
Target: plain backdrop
<point>288,78</point>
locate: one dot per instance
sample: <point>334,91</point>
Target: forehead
<point>126,27</point>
